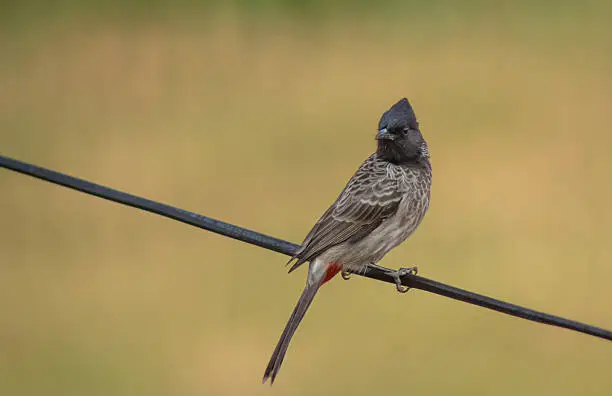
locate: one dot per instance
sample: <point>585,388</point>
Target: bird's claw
<point>399,274</point>
<point>345,275</point>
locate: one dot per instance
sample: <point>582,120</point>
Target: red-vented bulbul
<point>379,208</point>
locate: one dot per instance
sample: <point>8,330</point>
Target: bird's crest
<point>401,111</point>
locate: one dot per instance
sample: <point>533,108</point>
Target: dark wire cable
<point>288,248</point>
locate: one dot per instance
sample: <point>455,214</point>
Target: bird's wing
<point>372,195</point>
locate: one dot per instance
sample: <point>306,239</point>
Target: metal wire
<point>288,248</point>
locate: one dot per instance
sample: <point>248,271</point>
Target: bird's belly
<point>356,256</point>
<point>386,238</point>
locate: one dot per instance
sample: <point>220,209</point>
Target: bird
<point>380,207</point>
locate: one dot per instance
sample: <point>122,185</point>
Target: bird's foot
<point>345,275</point>
<point>399,274</point>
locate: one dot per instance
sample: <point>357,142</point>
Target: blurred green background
<point>257,112</point>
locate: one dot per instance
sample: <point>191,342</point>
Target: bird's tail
<point>296,317</point>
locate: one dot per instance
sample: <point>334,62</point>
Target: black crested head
<point>399,138</point>
<point>400,113</point>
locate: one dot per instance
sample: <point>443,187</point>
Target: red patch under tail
<point>332,270</point>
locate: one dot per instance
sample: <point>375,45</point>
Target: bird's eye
<point>405,131</point>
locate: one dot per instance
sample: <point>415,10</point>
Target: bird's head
<point>399,138</point>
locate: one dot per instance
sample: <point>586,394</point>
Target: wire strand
<point>288,248</point>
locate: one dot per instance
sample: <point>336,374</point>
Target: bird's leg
<point>397,275</point>
<point>346,275</point>
<point>400,273</point>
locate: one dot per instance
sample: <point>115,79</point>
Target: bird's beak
<point>383,134</point>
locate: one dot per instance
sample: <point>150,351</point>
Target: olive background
<point>257,113</point>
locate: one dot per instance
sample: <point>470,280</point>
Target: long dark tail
<point>296,317</point>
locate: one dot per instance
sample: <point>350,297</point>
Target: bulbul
<point>381,205</point>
